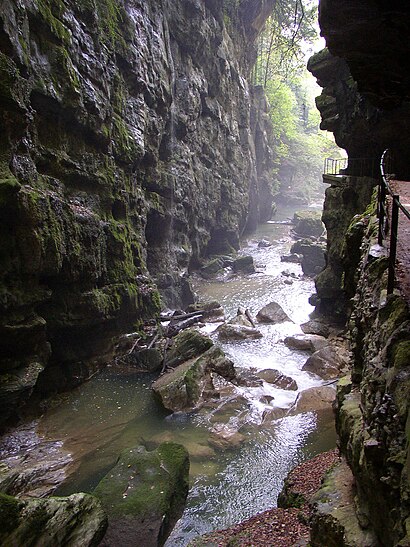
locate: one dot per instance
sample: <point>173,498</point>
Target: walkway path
<point>402,188</point>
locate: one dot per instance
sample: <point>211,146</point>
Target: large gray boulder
<point>275,377</point>
<point>144,495</point>
<point>272,313</point>
<point>76,521</point>
<point>184,387</point>
<point>314,399</point>
<point>187,344</point>
<point>327,363</point>
<point>308,223</point>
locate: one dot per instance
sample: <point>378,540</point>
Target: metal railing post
<point>381,209</point>
<point>393,243</point>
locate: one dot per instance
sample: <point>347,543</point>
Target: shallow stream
<point>116,409</point>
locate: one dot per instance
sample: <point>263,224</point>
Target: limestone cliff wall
<point>132,146</point>
<point>365,102</point>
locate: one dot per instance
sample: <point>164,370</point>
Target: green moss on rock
<point>145,492</point>
<point>9,514</point>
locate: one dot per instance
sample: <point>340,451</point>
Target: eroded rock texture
<point>131,147</point>
<point>365,102</point>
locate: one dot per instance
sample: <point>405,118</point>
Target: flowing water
<point>116,409</point>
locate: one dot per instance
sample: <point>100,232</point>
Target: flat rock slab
<point>144,495</point>
<point>334,521</point>
<point>78,521</point>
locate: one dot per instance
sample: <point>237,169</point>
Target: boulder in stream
<point>187,344</point>
<point>308,223</point>
<point>316,327</point>
<point>144,495</point>
<point>228,331</point>
<point>77,520</point>
<point>313,256</point>
<point>185,386</point>
<point>272,313</point>
<point>304,342</point>
<point>244,264</point>
<point>145,360</point>
<point>313,399</point>
<point>292,257</point>
<point>279,380</point>
<point>212,268</point>
<point>327,362</point>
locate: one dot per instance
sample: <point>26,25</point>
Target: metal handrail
<point>359,167</point>
<point>382,212</point>
<point>386,177</point>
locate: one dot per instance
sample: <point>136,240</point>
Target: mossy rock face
<point>183,387</point>
<point>187,344</point>
<point>334,522</point>
<point>110,184</point>
<point>144,494</point>
<point>75,520</point>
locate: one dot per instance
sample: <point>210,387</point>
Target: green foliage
<point>280,68</point>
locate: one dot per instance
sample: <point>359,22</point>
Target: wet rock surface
<point>111,186</point>
<point>185,386</point>
<point>144,495</point>
<point>313,399</point>
<point>278,379</point>
<point>272,313</point>
<point>74,520</point>
<point>328,362</point>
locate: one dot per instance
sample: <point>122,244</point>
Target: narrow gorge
<point>139,168</point>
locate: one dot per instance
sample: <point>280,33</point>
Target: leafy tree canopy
<point>289,36</point>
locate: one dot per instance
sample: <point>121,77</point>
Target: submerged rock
<point>225,437</point>
<point>78,520</point>
<point>272,313</point>
<point>144,495</point>
<point>183,387</point>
